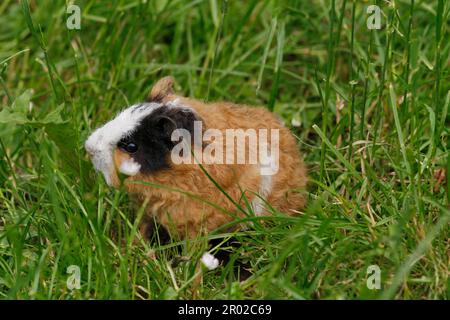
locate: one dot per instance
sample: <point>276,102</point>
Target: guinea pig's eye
<point>129,147</point>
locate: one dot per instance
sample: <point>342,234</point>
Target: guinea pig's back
<point>289,183</point>
<point>285,189</point>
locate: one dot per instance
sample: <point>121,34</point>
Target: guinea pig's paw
<point>209,261</point>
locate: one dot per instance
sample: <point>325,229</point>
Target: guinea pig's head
<point>138,140</point>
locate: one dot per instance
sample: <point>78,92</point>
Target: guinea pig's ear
<point>161,89</point>
<point>184,118</point>
<point>165,126</point>
<point>175,118</point>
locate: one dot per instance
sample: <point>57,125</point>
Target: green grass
<point>369,108</point>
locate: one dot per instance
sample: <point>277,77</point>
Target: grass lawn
<point>369,108</point>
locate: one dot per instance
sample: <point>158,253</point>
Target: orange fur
<point>185,216</point>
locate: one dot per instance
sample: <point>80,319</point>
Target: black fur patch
<point>153,136</point>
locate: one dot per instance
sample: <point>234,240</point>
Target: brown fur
<point>185,216</point>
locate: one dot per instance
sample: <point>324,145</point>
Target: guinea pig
<point>200,165</point>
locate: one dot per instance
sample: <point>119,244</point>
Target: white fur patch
<point>209,261</point>
<point>174,103</point>
<point>265,187</point>
<point>129,167</point>
<point>264,191</point>
<point>102,142</point>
